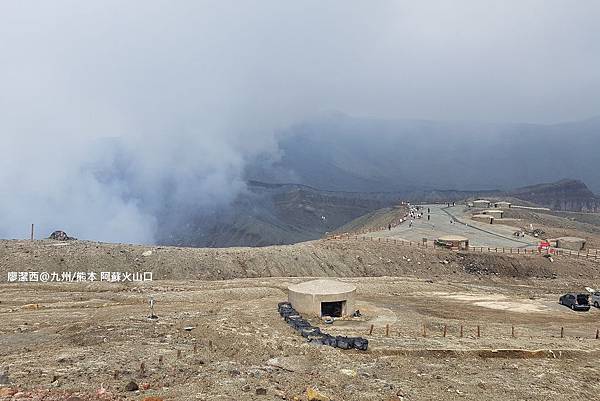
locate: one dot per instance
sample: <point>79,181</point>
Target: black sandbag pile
<point>314,335</point>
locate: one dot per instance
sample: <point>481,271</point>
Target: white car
<point>595,299</point>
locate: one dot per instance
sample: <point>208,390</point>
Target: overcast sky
<point>536,61</point>
<point>194,89</point>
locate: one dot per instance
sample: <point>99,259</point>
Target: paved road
<point>479,234</point>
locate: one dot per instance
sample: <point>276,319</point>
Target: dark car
<point>575,301</point>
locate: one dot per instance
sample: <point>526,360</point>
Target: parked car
<point>575,301</point>
<point>596,299</point>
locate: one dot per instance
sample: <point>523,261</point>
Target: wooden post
<point>461,331</point>
<point>424,330</point>
<point>597,334</point>
<point>371,330</point>
<point>387,330</point>
<point>512,331</point>
<point>445,330</point>
<point>142,369</point>
<point>562,332</point>
<point>178,354</point>
<point>160,360</point>
<point>478,331</point>
<point>32,231</point>
<point>195,348</point>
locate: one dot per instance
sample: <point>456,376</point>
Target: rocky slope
<point>568,195</point>
<point>334,258</point>
<point>275,214</point>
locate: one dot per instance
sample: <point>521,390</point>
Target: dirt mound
<point>502,265</point>
<point>325,258</point>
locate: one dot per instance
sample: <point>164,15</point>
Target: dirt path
<point>454,221</point>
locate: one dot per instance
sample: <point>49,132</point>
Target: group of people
<point>417,213</point>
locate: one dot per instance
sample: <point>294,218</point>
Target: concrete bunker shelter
<point>571,243</point>
<point>484,218</point>
<point>454,242</point>
<point>495,213</point>
<point>481,204</point>
<point>323,298</point>
<point>503,204</point>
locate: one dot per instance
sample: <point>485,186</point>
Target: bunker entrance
<point>333,309</point>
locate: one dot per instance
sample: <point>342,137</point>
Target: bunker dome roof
<point>453,238</point>
<point>571,239</point>
<point>322,287</point>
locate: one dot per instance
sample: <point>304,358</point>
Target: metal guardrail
<point>546,251</point>
<point>478,249</point>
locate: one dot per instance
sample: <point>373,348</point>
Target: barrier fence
<point>492,331</point>
<point>546,251</point>
<point>589,254</point>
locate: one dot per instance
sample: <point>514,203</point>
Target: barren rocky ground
<point>218,335</point>
<point>92,340</point>
<point>333,258</point>
<point>563,225</point>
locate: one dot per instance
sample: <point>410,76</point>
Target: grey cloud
<point>190,91</point>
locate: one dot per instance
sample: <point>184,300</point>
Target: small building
<point>495,213</point>
<point>481,203</point>
<point>484,218</point>
<point>571,243</point>
<point>323,298</point>
<point>503,205</point>
<point>453,242</point>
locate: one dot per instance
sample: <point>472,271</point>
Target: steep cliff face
<point>570,195</point>
<point>276,214</point>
